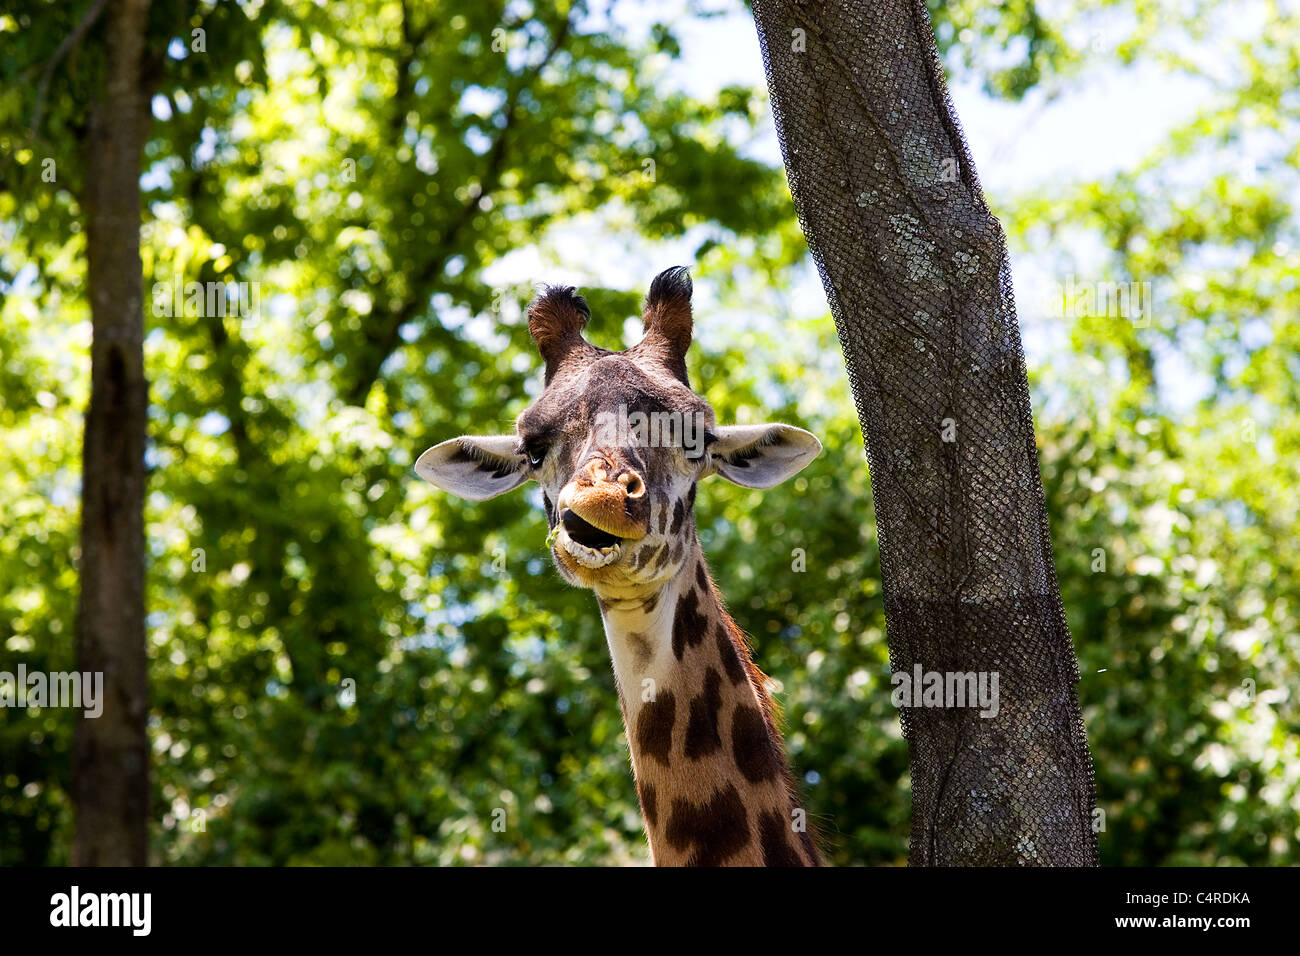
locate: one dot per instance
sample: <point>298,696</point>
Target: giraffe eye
<point>536,454</point>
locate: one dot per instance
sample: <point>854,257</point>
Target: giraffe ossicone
<point>618,442</point>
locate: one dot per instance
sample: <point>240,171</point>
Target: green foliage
<point>348,666</point>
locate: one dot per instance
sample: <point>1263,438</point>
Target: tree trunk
<point>111,758</point>
<point>916,272</point>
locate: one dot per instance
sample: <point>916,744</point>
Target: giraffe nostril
<point>632,484</point>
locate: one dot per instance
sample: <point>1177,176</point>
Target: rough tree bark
<point>111,757</point>
<point>917,275</point>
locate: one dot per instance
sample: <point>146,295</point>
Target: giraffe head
<point>618,442</point>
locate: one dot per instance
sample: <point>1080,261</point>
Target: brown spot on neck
<point>654,726</point>
<point>728,654</point>
<point>713,832</point>
<point>649,802</point>
<point>757,755</point>
<point>642,649</point>
<point>689,623</point>
<point>773,836</point>
<point>702,727</point>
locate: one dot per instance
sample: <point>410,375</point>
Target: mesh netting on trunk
<point>916,271</point>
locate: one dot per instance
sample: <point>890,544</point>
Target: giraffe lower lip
<point>592,559</point>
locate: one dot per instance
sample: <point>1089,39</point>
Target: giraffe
<point>707,757</point>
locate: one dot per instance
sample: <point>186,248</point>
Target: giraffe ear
<point>760,456</point>
<point>556,319</point>
<point>475,467</point>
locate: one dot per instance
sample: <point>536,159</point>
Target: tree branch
<point>386,337</point>
<point>64,48</point>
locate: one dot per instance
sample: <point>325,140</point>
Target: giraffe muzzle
<point>599,514</point>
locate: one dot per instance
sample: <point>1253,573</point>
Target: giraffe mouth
<point>582,531</point>
<point>583,546</point>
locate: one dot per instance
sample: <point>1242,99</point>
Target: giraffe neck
<point>710,766</point>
